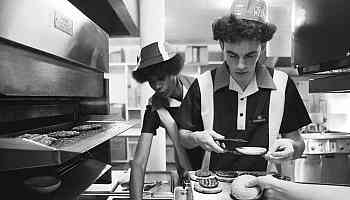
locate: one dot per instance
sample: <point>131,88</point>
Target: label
<point>63,23</point>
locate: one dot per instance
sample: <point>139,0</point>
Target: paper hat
<point>255,10</point>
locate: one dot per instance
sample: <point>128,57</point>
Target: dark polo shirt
<point>229,113</point>
<point>151,120</point>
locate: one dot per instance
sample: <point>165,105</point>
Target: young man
<point>160,66</point>
<point>243,98</point>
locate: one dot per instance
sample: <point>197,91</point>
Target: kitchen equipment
<point>322,56</point>
<point>327,169</point>
<point>52,65</point>
<point>251,151</point>
<point>162,179</point>
<point>230,144</point>
<point>325,159</point>
<point>314,51</point>
<point>43,184</point>
<point>226,186</point>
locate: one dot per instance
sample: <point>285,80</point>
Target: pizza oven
<point>52,65</point>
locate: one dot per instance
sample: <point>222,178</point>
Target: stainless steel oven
<point>52,65</point>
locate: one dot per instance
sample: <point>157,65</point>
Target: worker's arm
<point>297,142</point>
<point>286,190</point>
<point>290,147</point>
<point>138,165</point>
<point>204,139</point>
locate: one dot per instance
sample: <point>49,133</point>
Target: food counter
<point>224,186</point>
<point>158,185</point>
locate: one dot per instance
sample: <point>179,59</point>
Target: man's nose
<point>241,64</point>
<point>158,85</point>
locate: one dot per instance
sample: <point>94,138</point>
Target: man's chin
<point>164,94</point>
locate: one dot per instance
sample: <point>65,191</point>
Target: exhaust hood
<point>335,83</point>
<point>321,44</point>
<point>116,17</point>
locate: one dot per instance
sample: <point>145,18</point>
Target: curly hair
<point>231,29</point>
<point>172,66</point>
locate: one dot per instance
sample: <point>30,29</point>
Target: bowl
<point>43,184</point>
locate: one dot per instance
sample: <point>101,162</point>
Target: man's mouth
<point>238,72</point>
<point>162,92</point>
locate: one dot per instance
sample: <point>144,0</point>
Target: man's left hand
<point>282,150</point>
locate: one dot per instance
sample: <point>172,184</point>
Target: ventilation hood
<point>333,83</point>
<point>116,17</point>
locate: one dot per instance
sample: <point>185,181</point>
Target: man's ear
<point>262,56</point>
<point>263,49</point>
<point>221,44</point>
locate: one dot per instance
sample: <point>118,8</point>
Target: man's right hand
<point>205,139</point>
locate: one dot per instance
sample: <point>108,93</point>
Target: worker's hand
<point>263,182</point>
<point>268,184</point>
<point>282,150</point>
<point>205,139</point>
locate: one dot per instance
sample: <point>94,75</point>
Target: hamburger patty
<point>87,127</point>
<point>41,138</point>
<point>64,134</point>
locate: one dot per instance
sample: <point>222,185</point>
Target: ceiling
<point>189,21</point>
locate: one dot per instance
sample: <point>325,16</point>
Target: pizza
<point>64,134</point>
<point>87,127</point>
<point>211,182</point>
<point>41,138</point>
<point>204,190</point>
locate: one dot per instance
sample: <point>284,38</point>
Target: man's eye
<point>250,56</point>
<point>232,56</point>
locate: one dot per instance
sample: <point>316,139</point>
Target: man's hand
<point>205,139</point>
<point>269,185</point>
<point>264,182</point>
<point>282,150</point>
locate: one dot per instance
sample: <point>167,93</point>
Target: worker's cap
<point>157,59</point>
<point>255,10</point>
<point>154,53</point>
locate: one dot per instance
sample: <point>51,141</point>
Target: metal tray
<point>165,178</point>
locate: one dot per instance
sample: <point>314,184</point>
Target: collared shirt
<point>151,121</point>
<point>261,79</point>
<point>241,115</point>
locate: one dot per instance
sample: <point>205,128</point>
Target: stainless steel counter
<point>116,190</point>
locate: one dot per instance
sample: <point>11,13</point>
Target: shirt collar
<point>251,88</point>
<point>174,102</point>
<point>263,77</point>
